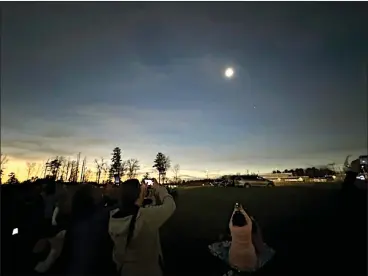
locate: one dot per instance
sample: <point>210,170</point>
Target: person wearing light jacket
<point>135,230</point>
<point>247,251</point>
<point>242,253</point>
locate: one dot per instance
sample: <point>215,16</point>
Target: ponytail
<point>132,226</point>
<point>130,192</point>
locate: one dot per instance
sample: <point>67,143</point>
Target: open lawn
<point>312,229</point>
<point>305,225</point>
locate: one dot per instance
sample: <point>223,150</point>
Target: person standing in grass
<point>87,248</point>
<point>135,230</point>
<point>246,252</point>
<point>242,253</point>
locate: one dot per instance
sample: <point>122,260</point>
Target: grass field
<point>310,227</point>
<point>294,220</point>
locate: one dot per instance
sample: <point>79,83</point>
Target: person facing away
<point>351,184</point>
<point>242,254</point>
<point>135,230</point>
<point>49,198</point>
<point>87,248</point>
<point>62,210</point>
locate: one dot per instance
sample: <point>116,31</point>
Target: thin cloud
<point>99,128</point>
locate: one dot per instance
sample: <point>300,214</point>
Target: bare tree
<point>73,177</point>
<point>100,166</point>
<point>123,168</point>
<point>3,161</point>
<point>30,169</point>
<point>176,171</point>
<point>66,170</point>
<point>77,167</point>
<point>83,169</point>
<point>63,165</point>
<point>132,167</point>
<point>47,168</point>
<point>106,171</point>
<point>55,167</point>
<point>87,175</point>
<point>38,170</point>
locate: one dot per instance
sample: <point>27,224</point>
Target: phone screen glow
<point>148,182</point>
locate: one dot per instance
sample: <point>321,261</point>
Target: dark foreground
<point>313,230</point>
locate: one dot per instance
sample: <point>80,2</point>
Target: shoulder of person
<point>149,213</point>
<point>146,212</point>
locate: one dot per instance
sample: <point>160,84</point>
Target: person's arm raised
<point>247,218</point>
<point>231,217</point>
<point>158,215</point>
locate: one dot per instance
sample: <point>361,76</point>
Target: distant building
<point>283,177</point>
<point>276,175</point>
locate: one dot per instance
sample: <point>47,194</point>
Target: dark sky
<point>149,77</point>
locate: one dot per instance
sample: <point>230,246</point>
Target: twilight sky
<point>148,77</point>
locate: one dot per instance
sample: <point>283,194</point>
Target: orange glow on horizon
<point>19,167</point>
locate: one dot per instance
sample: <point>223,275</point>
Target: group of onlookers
<point>88,232</point>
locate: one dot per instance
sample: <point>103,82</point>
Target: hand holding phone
<point>155,182</point>
<point>363,159</point>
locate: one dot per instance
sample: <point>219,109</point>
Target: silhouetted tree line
<point>310,172</point>
<point>66,170</point>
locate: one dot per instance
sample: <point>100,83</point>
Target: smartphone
<point>15,231</point>
<point>363,159</point>
<point>149,182</point>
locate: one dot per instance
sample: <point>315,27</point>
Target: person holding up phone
<point>242,254</point>
<point>135,230</point>
<point>246,252</point>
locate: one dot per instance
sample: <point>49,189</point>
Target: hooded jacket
<point>143,256</point>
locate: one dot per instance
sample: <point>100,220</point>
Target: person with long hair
<point>135,230</point>
<point>83,204</point>
<point>62,212</point>
<point>87,248</point>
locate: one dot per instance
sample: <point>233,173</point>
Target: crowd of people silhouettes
<point>87,232</point>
